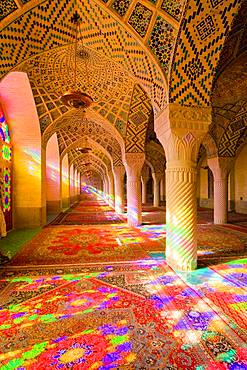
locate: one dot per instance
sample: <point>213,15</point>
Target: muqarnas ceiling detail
<point>140,19</point>
<point>162,41</point>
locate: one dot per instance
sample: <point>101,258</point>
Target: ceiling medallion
<point>76,98</point>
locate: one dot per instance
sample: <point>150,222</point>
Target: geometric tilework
<point>236,42</point>
<point>161,42</point>
<point>234,134</point>
<point>73,131</point>
<point>44,27</point>
<point>140,19</point>
<point>41,28</point>
<point>110,85</point>
<point>155,155</point>
<point>139,113</point>
<point>174,8</point>
<point>7,7</point>
<point>120,6</point>
<point>111,38</point>
<point>202,34</point>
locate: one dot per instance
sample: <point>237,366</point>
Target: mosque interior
<point>123,184</point>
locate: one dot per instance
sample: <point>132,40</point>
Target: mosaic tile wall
<point>203,31</point>
<point>110,86</point>
<point>140,19</point>
<point>7,7</point>
<point>100,31</point>
<point>140,111</point>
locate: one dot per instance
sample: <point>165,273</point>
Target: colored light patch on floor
<point>130,315</point>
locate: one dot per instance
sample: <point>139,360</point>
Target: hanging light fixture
<point>76,98</point>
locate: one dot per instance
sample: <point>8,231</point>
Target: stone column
<point>181,129</point>
<point>106,187</point>
<point>119,172</point>
<point>110,188</point>
<point>144,180</point>
<point>157,176</point>
<point>65,182</point>
<point>220,168</point>
<point>163,188</point>
<point>133,165</point>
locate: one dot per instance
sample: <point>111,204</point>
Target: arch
<point>73,124</point>
<point>28,171</point>
<point>83,142</point>
<point>65,181</point>
<point>53,191</point>
<point>240,173</point>
<point>101,30</point>
<point>203,30</point>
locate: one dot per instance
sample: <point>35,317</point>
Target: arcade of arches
<point>138,200</point>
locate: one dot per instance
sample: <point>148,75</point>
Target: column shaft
<point>220,200</point>
<point>119,172</point>
<point>133,165</point>
<point>144,190</point>
<point>181,218</point>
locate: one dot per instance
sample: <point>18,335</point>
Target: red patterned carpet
<point>126,316</point>
<point>84,244</point>
<point>89,212</point>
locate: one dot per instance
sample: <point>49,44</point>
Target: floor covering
<point>103,297</point>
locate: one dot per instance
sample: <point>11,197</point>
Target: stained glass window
<point>5,169</point>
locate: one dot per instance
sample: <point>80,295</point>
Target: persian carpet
<point>126,316</point>
<point>84,244</point>
<point>87,218</point>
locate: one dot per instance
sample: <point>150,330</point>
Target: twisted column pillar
<point>220,168</point>
<point>133,165</point>
<point>181,129</point>
<point>119,172</point>
<point>156,179</point>
<point>181,216</point>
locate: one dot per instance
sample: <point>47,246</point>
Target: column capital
<point>119,171</point>
<point>220,166</point>
<point>133,163</point>
<point>181,129</point>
